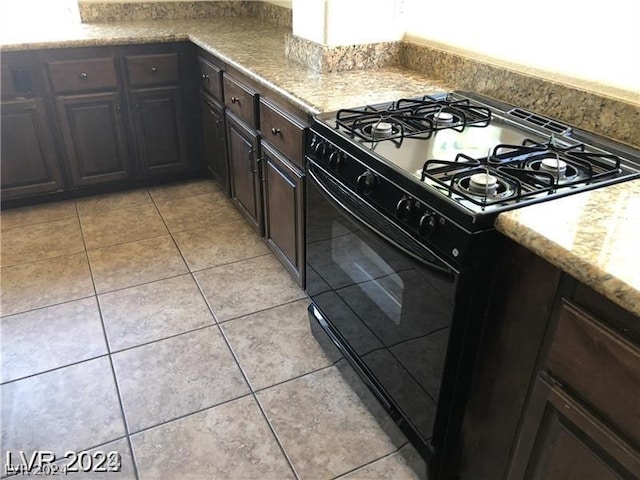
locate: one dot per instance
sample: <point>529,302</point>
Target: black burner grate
<point>518,167</point>
<point>415,118</point>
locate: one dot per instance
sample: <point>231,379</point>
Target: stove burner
<point>443,117</point>
<point>554,165</point>
<point>483,183</point>
<point>484,186</point>
<point>382,129</point>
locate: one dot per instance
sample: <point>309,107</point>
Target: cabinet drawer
<point>241,100</point>
<point>600,366</point>
<point>283,132</point>
<point>144,70</point>
<point>211,76</point>
<point>83,75</point>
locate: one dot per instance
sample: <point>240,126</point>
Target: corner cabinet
<point>30,163</point>
<point>88,120</point>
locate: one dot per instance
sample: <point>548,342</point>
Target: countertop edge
<point>615,289</point>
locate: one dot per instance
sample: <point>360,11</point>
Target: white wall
<point>347,22</point>
<point>596,41</point>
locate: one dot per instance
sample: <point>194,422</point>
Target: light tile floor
<point>156,323</point>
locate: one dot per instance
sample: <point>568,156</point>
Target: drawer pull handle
<point>235,100</point>
<point>275,131</point>
<point>83,76</point>
<point>154,69</point>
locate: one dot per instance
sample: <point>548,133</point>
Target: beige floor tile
<point>323,425</point>
<point>246,287</point>
<point>153,311</point>
<point>38,241</point>
<point>230,441</point>
<point>164,380</point>
<point>276,344</point>
<point>398,466</point>
<point>112,201</point>
<point>120,226</point>
<point>190,188</point>
<point>40,340</point>
<point>46,212</point>
<point>45,282</point>
<point>73,408</point>
<point>118,465</point>
<point>134,263</point>
<point>197,211</point>
<point>219,244</point>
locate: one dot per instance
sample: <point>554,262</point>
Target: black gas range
<point>401,249</point>
<point>462,158</point>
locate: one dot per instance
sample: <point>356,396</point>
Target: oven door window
<point>393,311</point>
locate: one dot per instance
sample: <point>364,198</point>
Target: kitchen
<point>263,62</point>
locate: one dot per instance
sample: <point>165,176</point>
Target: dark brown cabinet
<point>244,167</point>
<point>582,417</point>
<point>562,440</point>
<point>91,119</point>
<point>160,131</point>
<point>284,211</point>
<point>556,390</point>
<point>215,140</point>
<point>283,186</point>
<point>29,159</point>
<point>94,136</point>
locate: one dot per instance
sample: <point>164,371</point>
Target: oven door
<point>384,299</point>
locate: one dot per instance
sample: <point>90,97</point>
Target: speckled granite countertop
<point>250,45</point>
<point>593,236</point>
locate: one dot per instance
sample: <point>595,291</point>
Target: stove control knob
<point>321,150</point>
<point>404,208</point>
<point>335,160</point>
<point>428,224</point>
<point>367,182</point>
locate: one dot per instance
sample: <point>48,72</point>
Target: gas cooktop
<point>476,155</point>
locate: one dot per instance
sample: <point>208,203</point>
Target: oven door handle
<point>358,220</point>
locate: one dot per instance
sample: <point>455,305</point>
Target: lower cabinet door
<point>246,189</point>
<point>215,140</point>
<point>284,211</point>
<point>561,440</point>
<point>160,130</point>
<point>94,137</point>
<point>29,159</point>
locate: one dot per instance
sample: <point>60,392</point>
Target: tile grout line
<point>113,370</point>
<point>237,362</point>
<point>242,372</point>
<point>344,474</point>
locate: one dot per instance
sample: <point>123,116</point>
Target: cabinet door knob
<point>275,131</point>
<point>154,69</point>
<point>205,77</point>
<point>235,100</point>
<point>83,76</point>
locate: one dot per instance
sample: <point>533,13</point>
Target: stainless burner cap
<point>383,129</point>
<point>554,165</point>
<point>443,117</point>
<point>483,183</point>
